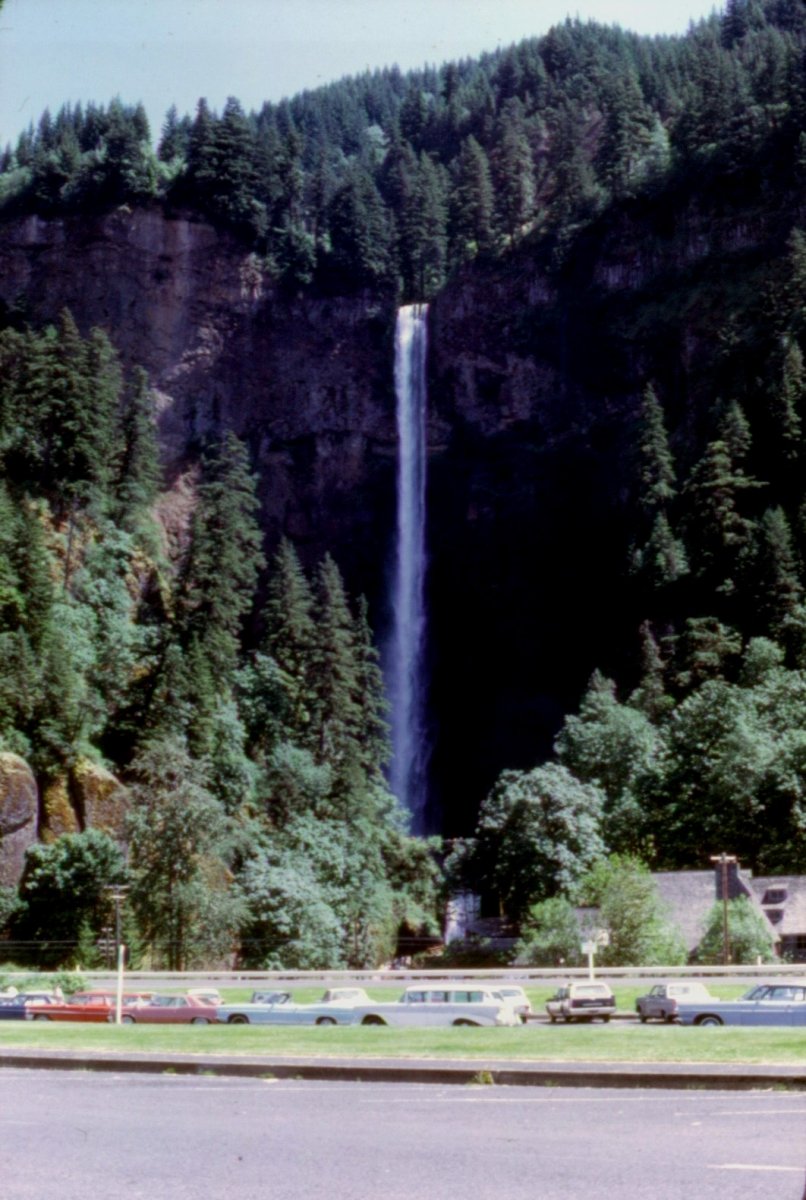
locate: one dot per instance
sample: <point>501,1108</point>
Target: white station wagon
<point>444,1005</point>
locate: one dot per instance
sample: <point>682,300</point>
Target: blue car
<point>278,1008</point>
<point>12,1008</point>
<point>777,1002</point>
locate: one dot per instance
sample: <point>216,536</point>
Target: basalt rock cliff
<point>534,369</point>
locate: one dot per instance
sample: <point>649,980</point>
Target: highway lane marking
<point>753,1167</point>
<point>757,1112</point>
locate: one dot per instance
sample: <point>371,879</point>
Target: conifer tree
<point>471,203</point>
<point>513,175</point>
<point>137,472</point>
<point>224,560</point>
<point>290,632</point>
<point>718,533</point>
<point>778,590</point>
<point>336,711</point>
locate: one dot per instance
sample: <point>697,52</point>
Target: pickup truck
<point>661,1001</point>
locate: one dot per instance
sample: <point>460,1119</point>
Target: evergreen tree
<point>137,471</point>
<point>471,203</point>
<point>513,176</point>
<point>290,632</point>
<point>224,559</point>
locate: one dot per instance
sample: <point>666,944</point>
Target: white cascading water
<point>406,651</point>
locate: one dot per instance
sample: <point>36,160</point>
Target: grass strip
<point>616,1042</point>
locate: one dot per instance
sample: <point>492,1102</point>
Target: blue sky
<point>167,52</point>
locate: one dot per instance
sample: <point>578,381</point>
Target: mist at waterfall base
<point>404,657</point>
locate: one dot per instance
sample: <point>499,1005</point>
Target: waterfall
<point>405,653</point>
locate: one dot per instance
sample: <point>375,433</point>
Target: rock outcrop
<point>306,379</point>
<point>19,816</point>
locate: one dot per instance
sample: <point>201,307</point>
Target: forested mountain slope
<point>608,231</point>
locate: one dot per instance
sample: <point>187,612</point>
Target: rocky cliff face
<point>307,381</point>
<point>534,378</point>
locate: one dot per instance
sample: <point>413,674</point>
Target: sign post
<point>600,938</point>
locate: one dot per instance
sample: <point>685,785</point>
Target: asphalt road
<point>77,1135</point>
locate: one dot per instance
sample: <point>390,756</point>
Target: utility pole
<point>724,861</point>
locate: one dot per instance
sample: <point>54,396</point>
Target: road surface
<point>74,1135</point>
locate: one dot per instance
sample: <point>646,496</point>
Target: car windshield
<point>759,992</point>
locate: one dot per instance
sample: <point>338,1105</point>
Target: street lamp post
<point>724,860</point>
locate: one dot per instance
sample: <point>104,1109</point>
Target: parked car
<point>349,996</point>
<point>441,1006</point>
<point>661,1001</point>
<point>208,995</point>
<point>13,1007</point>
<point>168,1010</point>
<point>278,1008</point>
<point>83,1006</point>
<point>517,997</point>
<point>776,1002</point>
<point>583,1001</point>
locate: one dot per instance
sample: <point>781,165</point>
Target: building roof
<point>689,897</point>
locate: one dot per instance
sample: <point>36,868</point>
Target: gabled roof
<point>689,897</point>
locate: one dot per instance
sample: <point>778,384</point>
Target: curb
<point>606,1075</point>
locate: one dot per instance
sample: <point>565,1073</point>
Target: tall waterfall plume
<point>405,658</point>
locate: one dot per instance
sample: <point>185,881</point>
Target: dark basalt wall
<point>533,383</point>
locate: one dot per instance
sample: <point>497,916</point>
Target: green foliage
<point>630,910</point>
<point>350,182</point>
<point>750,939</point>
<point>550,935</point>
<point>612,746</point>
<point>538,832</point>
<point>63,894</point>
<point>180,879</point>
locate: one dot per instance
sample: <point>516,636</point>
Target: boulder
<point>19,816</point>
<point>99,797</point>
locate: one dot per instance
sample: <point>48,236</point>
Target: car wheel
<point>373,1020</point>
<point>200,1021</point>
<point>238,1019</point>
<point>710,1020</point>
<point>41,1017</point>
<point>552,1019</point>
<point>642,1018</point>
<point>326,1021</point>
<point>464,1021</point>
<point>126,1019</point>
<point>606,1018</point>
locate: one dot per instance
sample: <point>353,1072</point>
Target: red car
<point>169,1010</point>
<point>83,1006</point>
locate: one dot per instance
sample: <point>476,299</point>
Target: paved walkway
<point>730,1076</point>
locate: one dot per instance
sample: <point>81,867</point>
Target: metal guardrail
<point>521,975</point>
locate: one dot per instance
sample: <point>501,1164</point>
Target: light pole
<point>117,893</point>
<point>724,860</point>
